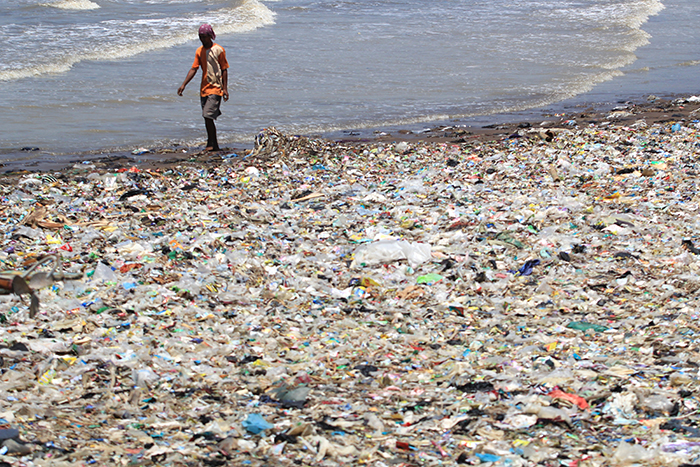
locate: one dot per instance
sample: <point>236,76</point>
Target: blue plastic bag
<point>256,424</point>
<point>527,268</point>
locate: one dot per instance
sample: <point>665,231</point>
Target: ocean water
<point>102,75</point>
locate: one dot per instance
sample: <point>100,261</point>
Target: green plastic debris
<point>584,326</point>
<point>429,279</point>
<point>507,239</point>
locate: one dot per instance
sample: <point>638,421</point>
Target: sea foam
<point>114,40</point>
<point>74,5</point>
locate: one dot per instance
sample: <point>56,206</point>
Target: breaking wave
<point>118,39</point>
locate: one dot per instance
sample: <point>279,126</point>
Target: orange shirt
<point>212,66</point>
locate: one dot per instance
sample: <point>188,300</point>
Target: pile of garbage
<point>528,301</point>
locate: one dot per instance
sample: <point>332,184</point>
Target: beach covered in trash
<point>529,300</point>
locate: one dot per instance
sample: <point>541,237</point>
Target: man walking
<point>211,58</point>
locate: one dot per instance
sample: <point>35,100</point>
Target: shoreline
<point>480,128</point>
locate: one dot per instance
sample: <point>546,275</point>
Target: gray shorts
<point>210,106</point>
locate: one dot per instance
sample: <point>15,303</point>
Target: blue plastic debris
<point>527,268</point>
<point>487,457</point>
<point>255,424</point>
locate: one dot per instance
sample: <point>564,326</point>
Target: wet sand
<point>481,129</point>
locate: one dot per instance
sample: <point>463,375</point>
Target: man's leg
<point>212,143</point>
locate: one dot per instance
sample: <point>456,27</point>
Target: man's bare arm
<point>224,83</point>
<point>188,78</point>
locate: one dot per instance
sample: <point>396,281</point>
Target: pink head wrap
<point>207,30</point>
